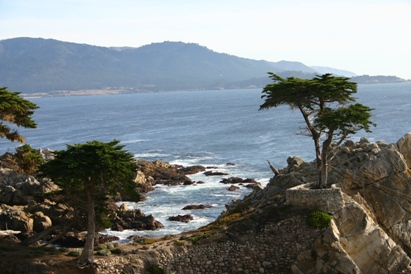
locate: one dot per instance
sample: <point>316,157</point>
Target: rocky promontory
<point>367,200</point>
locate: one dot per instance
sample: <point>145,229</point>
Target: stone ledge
<point>329,200</point>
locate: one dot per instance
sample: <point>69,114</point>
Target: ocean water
<point>210,128</point>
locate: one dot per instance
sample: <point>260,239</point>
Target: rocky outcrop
<point>371,230</point>
<point>214,173</point>
<point>28,210</point>
<point>182,218</point>
<point>404,147</point>
<point>353,244</point>
<point>371,226</point>
<point>233,188</point>
<point>15,219</point>
<point>378,177</point>
<point>133,219</point>
<point>41,222</point>
<point>159,172</point>
<point>19,189</point>
<point>238,180</point>
<point>189,207</point>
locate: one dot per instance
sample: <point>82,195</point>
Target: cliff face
<point>372,216</point>
<point>369,198</point>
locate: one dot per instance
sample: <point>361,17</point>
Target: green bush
<point>28,159</point>
<point>155,270</point>
<point>197,237</point>
<point>179,243</point>
<point>104,252</point>
<point>74,253</point>
<point>110,246</point>
<point>117,251</point>
<point>101,247</point>
<point>319,219</point>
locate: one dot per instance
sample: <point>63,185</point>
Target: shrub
<point>117,251</point>
<point>155,270</point>
<point>148,241</point>
<point>74,253</point>
<point>110,246</point>
<point>197,237</point>
<point>104,252</point>
<point>319,219</point>
<point>101,247</point>
<point>28,159</point>
<point>179,243</point>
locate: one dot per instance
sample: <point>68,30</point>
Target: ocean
<point>210,128</point>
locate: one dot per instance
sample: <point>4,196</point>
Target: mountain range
<point>33,65</point>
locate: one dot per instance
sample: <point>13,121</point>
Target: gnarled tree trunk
<point>87,256</point>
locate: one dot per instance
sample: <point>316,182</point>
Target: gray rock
<point>404,147</point>
<point>41,221</point>
<point>15,219</point>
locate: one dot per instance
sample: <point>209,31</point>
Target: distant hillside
<point>367,79</point>
<point>33,65</point>
<point>322,70</point>
<point>41,65</point>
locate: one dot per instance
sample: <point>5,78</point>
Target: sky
<point>362,36</point>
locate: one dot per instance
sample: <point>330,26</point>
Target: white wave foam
<point>151,155</point>
<point>133,141</point>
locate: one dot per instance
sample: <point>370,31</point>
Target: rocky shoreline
<point>25,206</point>
<point>265,232</point>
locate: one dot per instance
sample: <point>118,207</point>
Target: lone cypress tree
<point>328,108</point>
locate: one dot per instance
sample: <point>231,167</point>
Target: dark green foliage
<point>15,110</point>
<point>94,163</point>
<point>87,174</point>
<point>104,252</point>
<point>197,237</point>
<point>319,219</point>
<point>101,247</point>
<point>179,243</point>
<point>74,253</point>
<point>117,251</point>
<point>155,270</point>
<point>104,167</point>
<point>107,249</point>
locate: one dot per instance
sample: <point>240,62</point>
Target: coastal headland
<point>359,224</point>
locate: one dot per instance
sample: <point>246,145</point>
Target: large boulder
<point>192,169</point>
<point>46,153</point>
<point>404,147</point>
<point>15,219</point>
<point>133,219</point>
<point>41,221</point>
<point>189,207</point>
<point>58,213</point>
<point>182,218</point>
<point>144,184</point>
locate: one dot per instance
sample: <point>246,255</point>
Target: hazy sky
<point>363,36</point>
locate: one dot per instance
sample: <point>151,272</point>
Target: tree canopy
<point>15,110</point>
<point>88,173</point>
<point>328,107</point>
